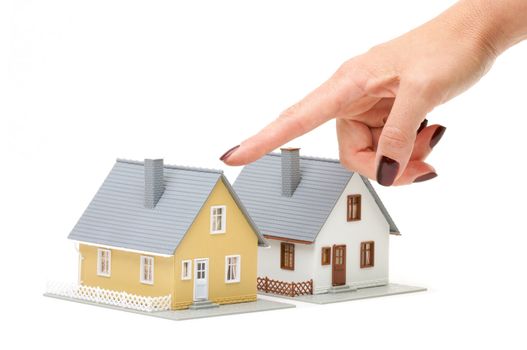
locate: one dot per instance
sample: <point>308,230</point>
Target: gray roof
<point>117,216</point>
<point>302,215</point>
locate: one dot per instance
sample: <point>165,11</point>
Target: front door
<point>339,265</point>
<point>201,279</point>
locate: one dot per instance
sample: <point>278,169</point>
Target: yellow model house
<point>158,230</point>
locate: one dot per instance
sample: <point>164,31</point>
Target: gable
<point>239,235</point>
<point>372,222</point>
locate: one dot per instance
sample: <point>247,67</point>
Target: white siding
<point>269,263</point>
<point>337,230</point>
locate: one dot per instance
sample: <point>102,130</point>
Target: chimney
<point>154,184</point>
<point>290,170</point>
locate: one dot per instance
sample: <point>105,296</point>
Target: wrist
<point>499,24</point>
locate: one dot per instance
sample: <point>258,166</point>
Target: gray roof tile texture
<point>117,216</point>
<point>302,215</point>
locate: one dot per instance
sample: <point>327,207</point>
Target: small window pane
<point>354,207</point>
<point>103,262</point>
<point>217,219</point>
<point>367,254</point>
<point>287,256</point>
<point>147,269</point>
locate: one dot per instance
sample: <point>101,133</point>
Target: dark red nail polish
<point>387,171</point>
<point>438,134</point>
<point>422,126</point>
<point>228,153</point>
<point>425,177</point>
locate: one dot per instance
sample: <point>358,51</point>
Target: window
<point>367,254</point>
<point>354,204</point>
<point>232,269</point>
<point>287,256</point>
<point>147,270</point>
<point>326,255</point>
<point>104,262</point>
<point>186,268</point>
<point>218,220</point>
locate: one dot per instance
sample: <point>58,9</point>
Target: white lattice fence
<point>109,297</point>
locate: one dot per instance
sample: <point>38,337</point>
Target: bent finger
<point>426,141</point>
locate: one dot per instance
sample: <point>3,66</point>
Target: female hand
<point>380,99</point>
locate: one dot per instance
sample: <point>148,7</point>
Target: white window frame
<point>238,268</point>
<point>189,270</point>
<point>108,262</point>
<point>223,219</point>
<point>141,269</point>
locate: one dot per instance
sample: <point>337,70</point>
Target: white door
<point>201,279</point>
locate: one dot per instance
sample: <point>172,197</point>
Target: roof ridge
<point>170,166</point>
<point>321,159</point>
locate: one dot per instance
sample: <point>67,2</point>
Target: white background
<point>85,82</point>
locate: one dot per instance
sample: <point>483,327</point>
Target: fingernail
<point>425,177</point>
<point>387,171</point>
<point>228,153</point>
<point>422,126</point>
<point>438,134</point>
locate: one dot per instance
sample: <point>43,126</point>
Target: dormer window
<point>218,219</point>
<point>354,207</point>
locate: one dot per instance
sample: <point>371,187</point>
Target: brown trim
<point>287,256</point>
<point>368,246</point>
<point>354,199</point>
<point>325,252</point>
<point>338,266</point>
<point>287,239</point>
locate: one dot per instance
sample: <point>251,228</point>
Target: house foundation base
<point>361,293</point>
<point>180,315</point>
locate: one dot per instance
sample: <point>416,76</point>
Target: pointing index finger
<point>314,110</point>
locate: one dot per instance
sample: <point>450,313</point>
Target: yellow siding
<point>239,239</point>
<point>125,272</point>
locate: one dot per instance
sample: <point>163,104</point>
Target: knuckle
<point>346,67</point>
<point>353,69</point>
<point>395,138</point>
<point>289,112</point>
<point>291,117</point>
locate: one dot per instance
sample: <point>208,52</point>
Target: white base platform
<point>180,315</point>
<point>362,293</point>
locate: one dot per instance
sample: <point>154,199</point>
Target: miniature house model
<point>157,230</point>
<point>327,228</point>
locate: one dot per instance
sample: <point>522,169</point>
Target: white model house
<point>327,228</point>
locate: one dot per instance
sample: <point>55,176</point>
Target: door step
<point>203,304</point>
<point>341,289</point>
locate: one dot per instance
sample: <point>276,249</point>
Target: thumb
<point>398,135</point>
